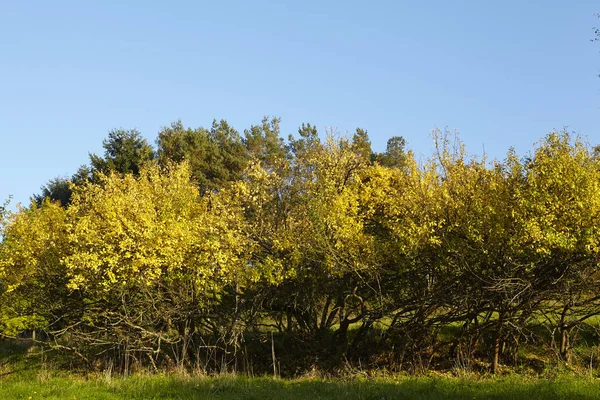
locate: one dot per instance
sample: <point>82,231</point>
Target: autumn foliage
<point>242,252</point>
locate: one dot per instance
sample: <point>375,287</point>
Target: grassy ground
<point>27,374</point>
<point>178,387</point>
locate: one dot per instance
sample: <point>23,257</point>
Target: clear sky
<point>502,73</point>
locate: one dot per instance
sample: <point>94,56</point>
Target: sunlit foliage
<point>346,255</point>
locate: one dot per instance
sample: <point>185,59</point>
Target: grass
<point>229,387</point>
<point>25,373</point>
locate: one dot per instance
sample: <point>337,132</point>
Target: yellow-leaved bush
<point>562,201</point>
<point>150,266</point>
<point>127,230</point>
<point>32,275</point>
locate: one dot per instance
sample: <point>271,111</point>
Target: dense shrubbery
<point>223,251</point>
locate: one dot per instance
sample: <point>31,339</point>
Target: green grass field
<point>227,387</point>
<point>25,373</point>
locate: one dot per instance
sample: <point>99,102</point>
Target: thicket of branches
<point>225,251</point>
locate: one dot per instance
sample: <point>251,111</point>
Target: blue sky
<point>502,73</point>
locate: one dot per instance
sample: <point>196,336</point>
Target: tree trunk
<point>564,343</point>
<point>564,334</point>
<point>497,344</point>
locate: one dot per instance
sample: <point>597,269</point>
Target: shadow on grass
<point>16,357</point>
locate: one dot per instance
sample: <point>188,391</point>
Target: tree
<point>309,225</point>
<point>395,153</point>
<point>216,156</point>
<point>61,189</point>
<point>361,144</point>
<point>33,293</point>
<point>151,258</point>
<point>56,189</point>
<point>263,142</point>
<point>562,207</point>
<point>230,244</point>
<point>125,151</point>
<point>308,139</point>
<point>231,157</point>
